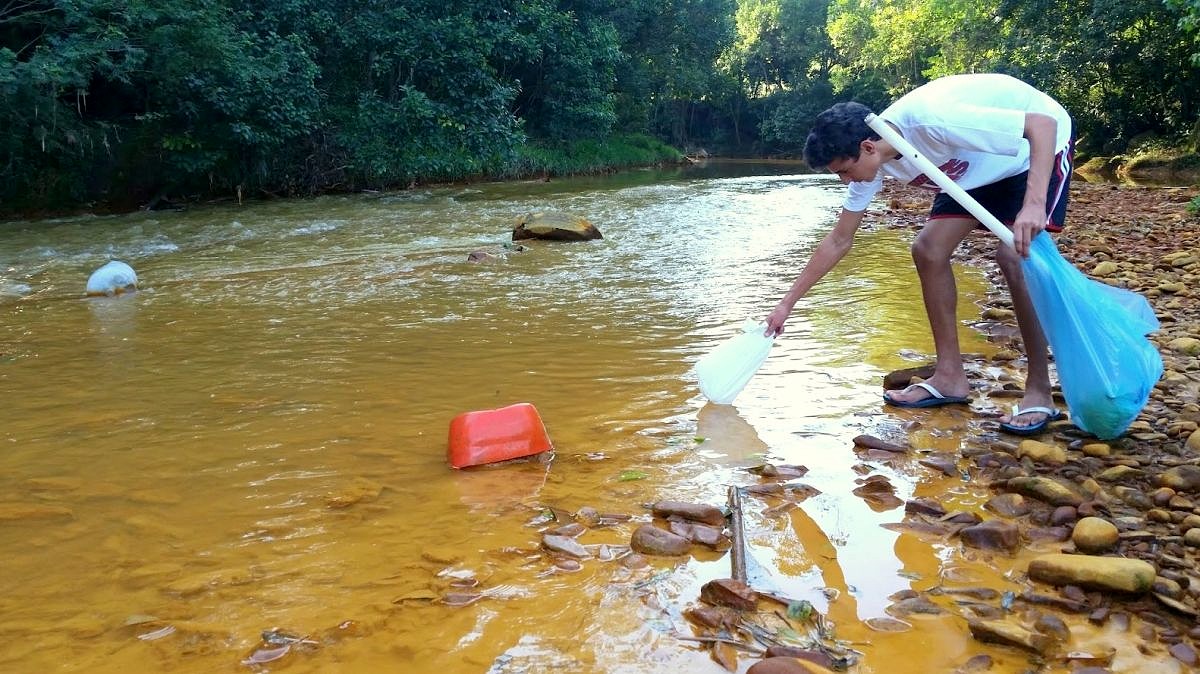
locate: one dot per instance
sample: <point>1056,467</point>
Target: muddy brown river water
<point>256,439</point>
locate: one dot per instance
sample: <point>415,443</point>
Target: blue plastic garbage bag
<point>1097,334</point>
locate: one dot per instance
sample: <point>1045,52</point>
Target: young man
<point>1010,146</point>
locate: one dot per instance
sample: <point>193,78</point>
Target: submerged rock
<point>785,665</point>
<point>565,545</point>
<point>1001,632</point>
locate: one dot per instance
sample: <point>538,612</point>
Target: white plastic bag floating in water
<point>112,279</point>
<point>1097,333</point>
<point>725,371</point>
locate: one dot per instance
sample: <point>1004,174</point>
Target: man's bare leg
<point>931,254</point>
<point>1037,381</point>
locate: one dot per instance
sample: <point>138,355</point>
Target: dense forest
<point>122,103</point>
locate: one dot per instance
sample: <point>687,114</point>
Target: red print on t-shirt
<point>955,169</point>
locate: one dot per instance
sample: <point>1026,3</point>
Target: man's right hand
<point>776,319</point>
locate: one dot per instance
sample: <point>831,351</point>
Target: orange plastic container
<point>489,436</point>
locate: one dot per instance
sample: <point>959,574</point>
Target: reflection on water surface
<point>255,439</point>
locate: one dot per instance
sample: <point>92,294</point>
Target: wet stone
<point>570,565</point>
<point>1063,515</point>
<point>1003,632</point>
<point>779,665</point>
<point>695,512</point>
<point>1159,515</point>
<point>1192,537</point>
<point>1060,603</point>
<point>650,540</point>
<point>565,545</point>
<point>963,517</point>
<point>1167,588</point>
<point>1101,573</point>
<point>634,561</point>
<point>1052,626</point>
<point>815,657</point>
<point>729,592</point>
<point>984,593</point>
<point>885,624</point>
<point>1044,489</point>
<point>899,379</point>
<point>711,537</point>
<point>1179,502</point>
<point>1041,452</point>
<point>711,616</point>
<point>1134,497</point>
<point>926,506</point>
<point>1193,441</point>
<point>871,442</point>
<point>1008,505</point>
<point>978,663</point>
<point>1052,534</point>
<point>915,605</point>
<point>984,611</point>
<point>1162,496</point>
<point>1099,616</point>
<point>1073,592</point>
<point>992,535</point>
<point>1094,535</point>
<point>572,530</point>
<point>1181,478</point>
<point>942,463</point>
<point>1119,474</point>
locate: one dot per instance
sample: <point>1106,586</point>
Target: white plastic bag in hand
<point>725,371</point>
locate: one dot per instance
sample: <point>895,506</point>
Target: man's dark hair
<point>837,133</point>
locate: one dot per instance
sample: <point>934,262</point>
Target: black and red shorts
<point>1004,198</point>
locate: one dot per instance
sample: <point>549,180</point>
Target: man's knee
<point>926,251</point>
<point>1009,261</point>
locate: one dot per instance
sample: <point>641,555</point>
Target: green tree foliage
<point>782,57</point>
<point>128,100</point>
<point>1115,64</point>
<point>1119,66</point>
<point>137,89</point>
<point>1189,23</point>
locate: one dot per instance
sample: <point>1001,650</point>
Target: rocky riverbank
<point>1124,515</point>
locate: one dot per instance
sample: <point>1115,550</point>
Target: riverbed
<point>255,439</point>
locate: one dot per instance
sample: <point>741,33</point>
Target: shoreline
<point>1144,484</point>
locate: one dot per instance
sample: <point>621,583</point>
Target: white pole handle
<point>943,181</point>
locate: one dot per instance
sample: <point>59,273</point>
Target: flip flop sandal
<point>1052,414</point>
<point>935,399</point>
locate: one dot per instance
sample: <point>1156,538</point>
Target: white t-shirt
<point>970,126</point>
